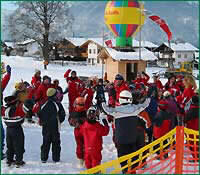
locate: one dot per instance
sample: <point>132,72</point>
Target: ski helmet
<point>79,104</point>
<point>93,113</point>
<point>125,97</point>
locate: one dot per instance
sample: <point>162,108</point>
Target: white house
<point>182,52</point>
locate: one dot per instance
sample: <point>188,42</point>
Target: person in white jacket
<point>129,136</point>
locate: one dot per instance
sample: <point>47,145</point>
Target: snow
<point>77,41</point>
<point>182,47</point>
<point>119,56</point>
<point>23,68</point>
<point>9,44</point>
<point>26,42</point>
<point>144,44</point>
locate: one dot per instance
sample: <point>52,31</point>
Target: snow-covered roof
<point>182,47</point>
<point>143,44</point>
<point>146,55</point>
<point>26,42</point>
<point>77,41</point>
<point>9,44</point>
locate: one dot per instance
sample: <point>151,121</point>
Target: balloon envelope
<point>124,18</point>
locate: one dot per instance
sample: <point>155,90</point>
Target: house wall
<point>111,68</point>
<point>181,56</point>
<point>93,53</point>
<point>115,67</point>
<point>32,48</point>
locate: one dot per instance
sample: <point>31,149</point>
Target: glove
<point>105,122</point>
<point>143,72</point>
<point>8,69</point>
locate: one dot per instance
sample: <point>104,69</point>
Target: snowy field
<point>23,68</point>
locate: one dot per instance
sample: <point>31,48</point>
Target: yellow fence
<point>150,153</point>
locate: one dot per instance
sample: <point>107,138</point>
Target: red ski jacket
<point>93,134</point>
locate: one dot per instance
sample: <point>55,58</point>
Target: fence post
<point>179,149</point>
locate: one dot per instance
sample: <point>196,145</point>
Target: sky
<point>8,5</point>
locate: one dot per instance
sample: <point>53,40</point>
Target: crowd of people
<point>136,110</point>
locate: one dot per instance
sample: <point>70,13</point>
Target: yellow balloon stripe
<point>124,15</point>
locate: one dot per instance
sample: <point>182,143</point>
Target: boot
<point>20,164</point>
<point>10,162</point>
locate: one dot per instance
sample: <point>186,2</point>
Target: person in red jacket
<point>157,82</point>
<point>76,119</point>
<point>74,86</point>
<point>4,83</point>
<point>162,123</point>
<point>41,92</point>
<point>171,86</point>
<point>93,132</point>
<point>188,93</point>
<point>120,85</point>
<point>13,118</point>
<point>89,94</point>
<point>35,82</point>
<point>191,121</point>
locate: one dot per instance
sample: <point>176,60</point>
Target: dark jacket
<point>126,129</point>
<point>51,114</point>
<point>100,93</point>
<point>152,108</point>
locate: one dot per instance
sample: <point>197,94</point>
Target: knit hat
<point>51,92</point>
<point>119,77</point>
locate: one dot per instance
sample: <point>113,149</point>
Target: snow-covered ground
<point>23,69</point>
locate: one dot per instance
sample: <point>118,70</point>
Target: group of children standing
<point>127,110</point>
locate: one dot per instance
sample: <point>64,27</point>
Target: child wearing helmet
<point>93,132</point>
<point>76,119</point>
<point>127,120</point>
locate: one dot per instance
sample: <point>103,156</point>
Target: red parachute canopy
<point>162,24</point>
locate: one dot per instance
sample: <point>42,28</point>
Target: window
<point>94,51</point>
<point>185,56</point>
<point>97,60</point>
<point>88,60</point>
<point>179,55</point>
<point>98,50</point>
<point>90,51</point>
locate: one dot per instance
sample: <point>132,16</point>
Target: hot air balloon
<point>124,18</point>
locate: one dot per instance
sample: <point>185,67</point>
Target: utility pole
<point>140,33</point>
<point>102,61</point>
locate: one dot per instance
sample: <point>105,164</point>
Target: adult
<point>35,82</point>
<point>171,86</point>
<point>4,83</point>
<point>41,92</point>
<point>74,85</point>
<point>127,121</point>
<point>120,85</point>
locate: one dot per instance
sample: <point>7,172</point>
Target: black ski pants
<point>15,143</point>
<point>50,136</point>
<point>124,149</point>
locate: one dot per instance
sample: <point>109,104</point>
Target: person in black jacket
<point>129,126</point>
<point>100,96</point>
<point>51,115</point>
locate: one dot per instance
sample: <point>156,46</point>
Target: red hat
<point>163,104</point>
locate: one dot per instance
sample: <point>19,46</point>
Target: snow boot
<point>20,164</point>
<point>9,163</point>
<point>43,161</point>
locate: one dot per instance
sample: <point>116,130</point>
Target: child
<point>51,115</point>
<point>14,117</point>
<point>93,132</point>
<point>100,96</point>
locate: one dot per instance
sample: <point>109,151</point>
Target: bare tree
<point>41,21</point>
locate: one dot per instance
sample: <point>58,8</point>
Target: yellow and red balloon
<point>124,19</point>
